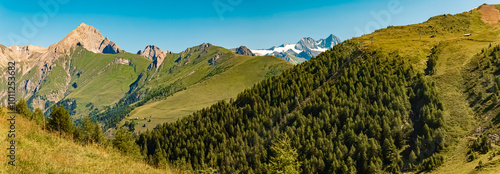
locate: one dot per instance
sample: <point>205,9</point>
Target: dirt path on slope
<point>490,15</point>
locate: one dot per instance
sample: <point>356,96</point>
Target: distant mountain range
<point>302,51</point>
<point>88,73</point>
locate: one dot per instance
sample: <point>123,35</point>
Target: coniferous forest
<point>347,111</point>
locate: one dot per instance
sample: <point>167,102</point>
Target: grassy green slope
<point>190,67</point>
<point>55,81</point>
<point>245,73</point>
<point>208,74</point>
<point>456,51</point>
<point>100,80</point>
<point>40,152</point>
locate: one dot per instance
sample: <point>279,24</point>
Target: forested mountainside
<point>347,110</point>
<point>391,101</point>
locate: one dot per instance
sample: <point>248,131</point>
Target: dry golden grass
<point>38,151</point>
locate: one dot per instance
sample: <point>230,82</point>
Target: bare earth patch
<point>489,15</point>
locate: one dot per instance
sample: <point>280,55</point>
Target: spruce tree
<point>98,135</point>
<point>60,120</point>
<point>38,116</point>
<point>22,108</point>
<point>284,159</point>
<point>124,142</point>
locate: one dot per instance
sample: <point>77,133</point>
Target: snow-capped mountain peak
<point>301,51</point>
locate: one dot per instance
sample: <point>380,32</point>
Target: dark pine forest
<point>350,110</point>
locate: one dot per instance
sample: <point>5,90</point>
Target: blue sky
<point>177,25</point>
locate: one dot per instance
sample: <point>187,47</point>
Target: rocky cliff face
<point>155,54</point>
<point>306,43</point>
<point>329,42</point>
<point>243,50</point>
<point>109,47</point>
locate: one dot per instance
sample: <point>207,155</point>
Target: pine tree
<point>124,142</point>
<point>88,130</point>
<point>22,108</point>
<point>60,120</point>
<point>38,116</point>
<point>284,159</point>
<point>98,135</point>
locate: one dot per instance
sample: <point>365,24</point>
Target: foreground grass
<point>40,152</point>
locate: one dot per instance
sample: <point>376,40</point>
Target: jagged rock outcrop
<point>203,47</point>
<point>109,47</point>
<point>122,61</point>
<point>243,50</point>
<point>151,52</point>
<point>306,43</point>
<point>329,42</point>
<point>155,54</point>
<point>213,60</point>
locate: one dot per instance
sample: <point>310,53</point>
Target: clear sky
<point>177,25</point>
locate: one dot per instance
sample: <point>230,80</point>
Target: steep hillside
<point>402,99</point>
<point>38,151</point>
<point>441,48</point>
<point>66,73</point>
<point>105,75</point>
<point>340,98</point>
<point>224,86</point>
<point>201,76</point>
<point>91,75</point>
<point>43,74</point>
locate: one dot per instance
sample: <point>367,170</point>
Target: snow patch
<point>280,49</point>
<point>320,49</point>
<point>262,52</point>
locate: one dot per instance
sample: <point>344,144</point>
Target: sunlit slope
<point>448,36</point>
<point>244,74</point>
<point>38,151</point>
<point>100,80</point>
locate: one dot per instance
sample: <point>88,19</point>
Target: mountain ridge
<point>301,51</point>
<point>85,64</point>
<point>398,100</point>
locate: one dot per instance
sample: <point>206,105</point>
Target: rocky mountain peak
<point>329,42</point>
<point>306,43</point>
<point>155,54</point>
<point>243,50</point>
<point>87,30</point>
<point>151,52</point>
<point>88,37</point>
<point>302,51</point>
